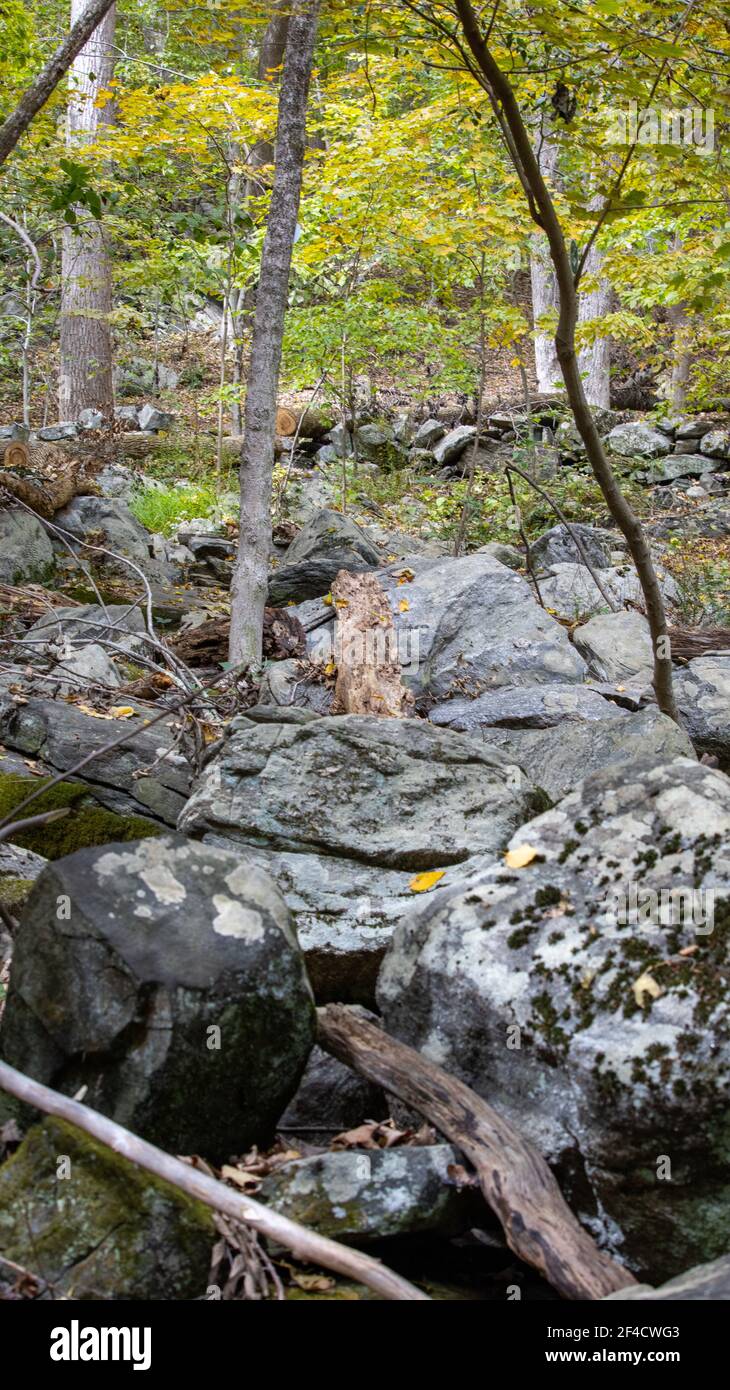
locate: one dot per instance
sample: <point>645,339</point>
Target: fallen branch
<point>515,1179</point>
<point>303,1243</point>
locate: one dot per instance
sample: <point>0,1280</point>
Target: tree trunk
<point>369,679</point>
<point>544,284</point>
<point>248,591</point>
<point>86,302</point>
<point>36,96</point>
<point>543,211</point>
<point>681,354</point>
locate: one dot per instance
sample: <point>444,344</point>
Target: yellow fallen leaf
<point>93,713</point>
<point>330,668</point>
<point>122,711</point>
<point>646,984</point>
<point>403,606</point>
<point>328,600</point>
<point>422,882</point>
<point>342,603</point>
<point>519,858</point>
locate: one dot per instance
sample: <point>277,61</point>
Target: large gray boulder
<point>105,1230</point>
<point>703,695</point>
<point>360,1196</point>
<point>344,812</point>
<point>524,707</point>
<point>26,554</point>
<point>558,546</point>
<point>327,543</point>
<point>637,439</point>
<point>557,758</point>
<point>585,996</point>
<point>164,976</point>
<point>149,777</point>
<point>703,1282</point>
<point>571,591</point>
<point>466,624</point>
<point>118,623</point>
<point>453,444</point>
<point>617,646</point>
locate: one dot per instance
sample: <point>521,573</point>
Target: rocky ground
<point>526,879</point>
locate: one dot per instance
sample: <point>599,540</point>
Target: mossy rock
<point>87,824</point>
<point>14,892</point>
<point>105,1231</point>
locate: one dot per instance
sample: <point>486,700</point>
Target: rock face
<point>571,591</point>
<point>343,812</point>
<point>327,543</point>
<point>107,1230</point>
<point>26,554</point>
<point>364,1196</point>
<point>616,646</point>
<point>554,991</point>
<point>703,696</point>
<point>558,546</point>
<point>60,735</point>
<point>331,1098</point>
<point>556,759</point>
<point>636,439</point>
<point>89,623</point>
<point>107,522</point>
<point>525,707</point>
<point>452,446</point>
<point>166,977</point>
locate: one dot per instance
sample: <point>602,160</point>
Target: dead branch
<point>369,679</point>
<point>515,1179</point>
<point>304,1244</point>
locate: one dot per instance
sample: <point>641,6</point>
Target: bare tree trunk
<point>543,210</point>
<point>36,96</point>
<point>369,677</point>
<point>545,298</point>
<point>86,304</point>
<point>248,591</point>
<point>681,355</point>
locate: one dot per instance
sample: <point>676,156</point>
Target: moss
<point>14,891</point>
<point>549,896</point>
<point>87,824</point>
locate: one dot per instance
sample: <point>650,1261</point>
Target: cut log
<point>305,1244</point>
<point>310,424</point>
<point>369,678</point>
<point>207,644</point>
<point>515,1179</point>
<point>43,476</point>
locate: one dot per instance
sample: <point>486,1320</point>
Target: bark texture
<point>545,299</point>
<point>85,379</point>
<point>248,591</point>
<point>369,677</point>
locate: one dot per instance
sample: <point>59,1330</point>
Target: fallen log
<point>303,1243</point>
<point>308,424</point>
<point>515,1179</point>
<point>369,678</point>
<point>43,476</point>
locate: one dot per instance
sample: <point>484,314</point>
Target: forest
<point>364,658</point>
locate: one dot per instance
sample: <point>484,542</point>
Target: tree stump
<point>369,678</point>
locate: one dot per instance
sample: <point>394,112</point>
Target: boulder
<point>359,1196</point>
<point>106,522</point>
<point>78,668</point>
<point>453,444</point>
<point>119,623</point>
<point>53,434</point>
<point>332,536</point>
<point>150,777</point>
<point>571,591</point>
<point>524,707</point>
<point>635,439</point>
<point>693,429</point>
<point>668,470</point>
<point>104,1230</point>
<point>428,434</point>
<point>716,443</point>
<point>617,647</point>
<point>585,996</point>
<point>557,758</point>
<point>165,977</point>
<point>309,578</point>
<point>377,443</point>
<point>90,419</point>
<point>15,433</point>
<point>507,555</point>
<point>154,420</point>
<point>292,685</point>
<point>703,696</point>
<point>709,1281</point>
<point>557,546</point>
<point>344,812</point>
<point>26,554</point>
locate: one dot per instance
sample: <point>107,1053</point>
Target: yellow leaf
<point>519,858</point>
<point>330,668</point>
<point>122,711</point>
<point>328,600</point>
<point>403,606</point>
<point>422,882</point>
<point>646,984</point>
<point>341,603</point>
<point>93,713</point>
